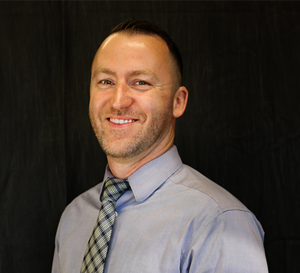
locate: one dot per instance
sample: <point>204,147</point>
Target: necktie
<point>95,254</point>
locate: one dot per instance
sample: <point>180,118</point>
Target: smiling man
<point>134,101</point>
<point>151,213</point>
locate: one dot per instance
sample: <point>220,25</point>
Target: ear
<point>180,101</point>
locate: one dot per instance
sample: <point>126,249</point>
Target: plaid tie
<point>95,254</point>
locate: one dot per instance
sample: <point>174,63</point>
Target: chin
<point>122,151</point>
<point>120,154</point>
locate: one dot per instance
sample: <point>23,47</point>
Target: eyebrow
<point>146,72</point>
<point>104,71</point>
<point>131,73</point>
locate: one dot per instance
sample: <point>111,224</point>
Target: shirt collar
<point>152,175</point>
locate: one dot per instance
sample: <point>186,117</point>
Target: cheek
<point>166,102</point>
<point>147,104</point>
<point>97,103</point>
<point>92,109</point>
<point>155,105</point>
<point>92,113</point>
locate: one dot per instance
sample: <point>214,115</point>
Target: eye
<point>105,82</point>
<point>141,83</point>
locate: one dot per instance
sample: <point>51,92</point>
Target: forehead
<point>121,39</point>
<point>133,47</point>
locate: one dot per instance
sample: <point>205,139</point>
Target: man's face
<point>131,104</point>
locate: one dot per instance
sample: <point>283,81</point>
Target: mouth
<point>121,121</point>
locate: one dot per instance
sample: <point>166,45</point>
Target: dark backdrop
<point>241,128</point>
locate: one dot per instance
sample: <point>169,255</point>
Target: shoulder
<point>222,227</point>
<point>205,189</point>
<point>87,198</point>
<point>81,207</point>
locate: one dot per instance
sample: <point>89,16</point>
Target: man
<point>171,218</point>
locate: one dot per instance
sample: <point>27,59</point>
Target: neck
<point>124,167</point>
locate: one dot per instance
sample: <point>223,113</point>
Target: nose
<point>121,96</point>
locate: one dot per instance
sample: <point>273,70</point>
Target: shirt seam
<point>223,209</point>
<point>209,223</point>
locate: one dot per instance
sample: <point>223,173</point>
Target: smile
<point>121,121</point>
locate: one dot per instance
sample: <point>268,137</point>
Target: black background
<point>241,127</point>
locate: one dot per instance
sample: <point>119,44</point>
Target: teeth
<point>121,121</point>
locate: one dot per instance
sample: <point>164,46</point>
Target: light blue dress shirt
<point>172,220</point>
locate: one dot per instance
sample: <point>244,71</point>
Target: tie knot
<point>114,188</point>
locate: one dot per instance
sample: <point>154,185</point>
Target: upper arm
<point>232,243</point>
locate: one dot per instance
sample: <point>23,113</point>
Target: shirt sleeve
<point>55,263</point>
<point>231,243</point>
